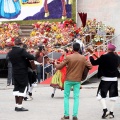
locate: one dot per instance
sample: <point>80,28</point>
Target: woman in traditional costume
<point>59,77</point>
<point>10,8</point>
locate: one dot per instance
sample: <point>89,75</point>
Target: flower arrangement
<point>110,30</point>
<point>58,33</point>
<point>92,26</point>
<point>8,31</point>
<point>98,39</point>
<point>53,35</point>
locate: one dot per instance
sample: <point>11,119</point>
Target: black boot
<point>111,115</point>
<point>30,94</point>
<point>105,113</point>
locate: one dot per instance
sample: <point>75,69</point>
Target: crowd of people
<point>45,38</point>
<point>71,67</point>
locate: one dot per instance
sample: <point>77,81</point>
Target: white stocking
<point>103,102</point>
<point>112,105</point>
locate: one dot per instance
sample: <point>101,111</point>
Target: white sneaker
<point>34,84</point>
<point>28,99</point>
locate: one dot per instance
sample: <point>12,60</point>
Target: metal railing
<point>108,41</point>
<point>105,42</point>
<point>47,65</point>
<point>98,51</point>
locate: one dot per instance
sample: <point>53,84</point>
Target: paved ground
<point>43,107</point>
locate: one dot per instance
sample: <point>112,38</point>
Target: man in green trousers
<point>76,64</point>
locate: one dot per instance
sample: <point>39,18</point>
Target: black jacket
<point>108,64</point>
<point>18,58</point>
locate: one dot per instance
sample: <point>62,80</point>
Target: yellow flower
<point>58,36</point>
<point>54,27</point>
<point>33,33</point>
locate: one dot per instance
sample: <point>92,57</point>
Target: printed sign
<point>12,10</point>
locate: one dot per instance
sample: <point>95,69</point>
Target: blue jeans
<point>47,69</point>
<point>39,72</point>
<point>76,90</point>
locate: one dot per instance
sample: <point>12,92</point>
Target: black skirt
<point>108,86</point>
<point>20,82</point>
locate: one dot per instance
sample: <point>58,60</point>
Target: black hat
<point>18,41</point>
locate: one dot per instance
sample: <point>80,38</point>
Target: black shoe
<point>25,98</point>
<point>16,108</point>
<point>65,118</point>
<point>30,94</point>
<point>8,84</point>
<point>111,115</point>
<point>75,118</point>
<point>21,109</point>
<point>105,113</point>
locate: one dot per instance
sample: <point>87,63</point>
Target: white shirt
<point>82,46</point>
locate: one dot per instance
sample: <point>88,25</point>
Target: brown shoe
<point>75,118</point>
<point>65,118</point>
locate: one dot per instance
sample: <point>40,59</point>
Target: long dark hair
<point>37,55</point>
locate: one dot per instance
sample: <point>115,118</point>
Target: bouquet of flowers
<point>98,39</point>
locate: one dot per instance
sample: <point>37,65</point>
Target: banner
<point>13,10</point>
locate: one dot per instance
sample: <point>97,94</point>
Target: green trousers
<point>76,90</point>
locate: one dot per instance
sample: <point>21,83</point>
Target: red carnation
<point>45,40</point>
<point>71,34</point>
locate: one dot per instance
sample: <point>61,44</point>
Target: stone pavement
<point>43,107</point>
